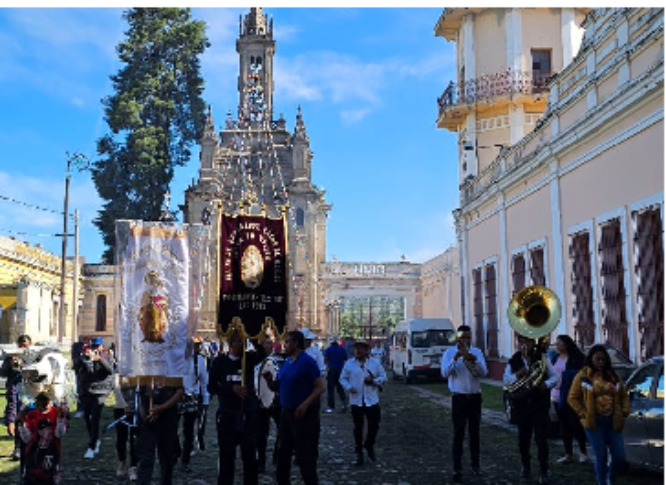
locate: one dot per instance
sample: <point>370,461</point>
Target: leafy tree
<point>154,115</point>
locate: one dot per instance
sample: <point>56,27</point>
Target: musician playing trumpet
<point>464,366</point>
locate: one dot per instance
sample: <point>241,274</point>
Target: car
<point>644,427</point>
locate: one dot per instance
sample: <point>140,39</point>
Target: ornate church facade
<point>254,157</point>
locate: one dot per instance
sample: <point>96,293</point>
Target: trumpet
<point>462,347</point>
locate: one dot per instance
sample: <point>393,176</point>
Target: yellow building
<point>560,120</point>
<point>30,293</point>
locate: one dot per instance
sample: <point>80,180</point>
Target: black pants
<point>92,412</point>
<point>298,435</point>
<point>264,417</point>
<point>189,419</point>
<point>533,420</point>
<point>359,415</point>
<point>202,417</point>
<point>466,413</point>
<point>571,428</point>
<point>234,429</point>
<point>333,385</point>
<point>125,435</point>
<point>160,436</point>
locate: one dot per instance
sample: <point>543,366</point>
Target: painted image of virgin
<point>252,267</point>
<point>153,310</point>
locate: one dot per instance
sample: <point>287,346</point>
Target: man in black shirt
<point>236,416</point>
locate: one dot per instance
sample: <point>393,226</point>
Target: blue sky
<point>367,81</point>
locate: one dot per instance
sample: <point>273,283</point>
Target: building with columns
<point>30,293</point>
<point>559,114</point>
<point>254,157</point>
<point>440,287</point>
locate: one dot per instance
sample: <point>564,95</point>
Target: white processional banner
<point>159,297</point>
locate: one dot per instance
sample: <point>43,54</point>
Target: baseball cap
<point>97,341</point>
<point>308,334</point>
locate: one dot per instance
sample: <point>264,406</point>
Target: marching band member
<point>464,366</point>
<point>269,403</point>
<point>300,385</point>
<point>236,414</point>
<point>532,405</point>
<point>362,378</point>
<point>195,402</point>
<point>11,369</point>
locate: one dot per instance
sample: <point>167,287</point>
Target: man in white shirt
<point>363,378</point>
<point>464,366</point>
<point>194,404</point>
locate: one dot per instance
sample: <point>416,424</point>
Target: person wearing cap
<point>363,378</point>
<point>96,376</point>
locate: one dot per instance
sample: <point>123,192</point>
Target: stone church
<point>255,157</point>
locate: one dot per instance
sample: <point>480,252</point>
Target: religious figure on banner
<point>252,267</point>
<point>153,310</point>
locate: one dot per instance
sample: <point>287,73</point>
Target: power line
<point>32,206</point>
<point>21,233</point>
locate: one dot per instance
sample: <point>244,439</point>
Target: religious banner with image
<point>160,278</point>
<point>252,273</point>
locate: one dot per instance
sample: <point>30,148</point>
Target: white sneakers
<point>120,471</point>
<point>132,473</point>
<point>90,454</point>
<point>583,458</point>
<point>99,442</point>
<point>78,414</point>
<point>565,459</point>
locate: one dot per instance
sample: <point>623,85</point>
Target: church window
<point>582,309</point>
<point>490,309</point>
<point>100,317</point>
<point>541,69</point>
<point>300,217</point>
<point>478,309</point>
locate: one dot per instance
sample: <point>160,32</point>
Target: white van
<point>417,346</point>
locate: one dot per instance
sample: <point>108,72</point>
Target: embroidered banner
<point>253,273</point>
<point>160,280</point>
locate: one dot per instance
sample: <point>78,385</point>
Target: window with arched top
<point>300,217</point>
<point>100,315</point>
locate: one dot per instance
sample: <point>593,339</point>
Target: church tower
<point>254,155</point>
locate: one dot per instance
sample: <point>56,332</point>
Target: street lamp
<point>79,162</point>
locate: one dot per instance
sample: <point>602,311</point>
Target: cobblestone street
<point>413,449</point>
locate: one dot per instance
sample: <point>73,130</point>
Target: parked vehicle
<point>417,346</point>
<point>644,428</point>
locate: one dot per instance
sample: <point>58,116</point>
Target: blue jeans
<point>604,439</point>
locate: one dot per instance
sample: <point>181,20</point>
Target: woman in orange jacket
<point>599,398</point>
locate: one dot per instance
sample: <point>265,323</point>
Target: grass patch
<point>492,395</point>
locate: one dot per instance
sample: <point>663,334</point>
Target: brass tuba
<point>534,312</point>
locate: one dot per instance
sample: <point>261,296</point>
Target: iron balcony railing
<point>489,86</point>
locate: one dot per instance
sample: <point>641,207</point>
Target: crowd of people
<point>259,383</point>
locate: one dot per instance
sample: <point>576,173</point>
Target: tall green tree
<point>154,115</point>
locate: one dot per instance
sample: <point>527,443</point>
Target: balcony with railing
<point>486,88</point>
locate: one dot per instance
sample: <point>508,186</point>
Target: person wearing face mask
<point>600,399</point>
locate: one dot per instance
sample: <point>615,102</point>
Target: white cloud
<point>350,117</point>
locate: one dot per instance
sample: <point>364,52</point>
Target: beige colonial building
<point>97,315</point>
<point>440,287</point>
<point>30,293</point>
<point>559,114</point>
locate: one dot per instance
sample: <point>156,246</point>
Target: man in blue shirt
<point>335,358</point>
<point>300,385</point>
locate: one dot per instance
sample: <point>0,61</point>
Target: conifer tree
<point>154,115</point>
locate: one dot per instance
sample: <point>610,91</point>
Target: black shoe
<point>457,477</point>
<point>359,459</point>
<point>16,454</point>
<point>543,478</point>
<point>371,453</point>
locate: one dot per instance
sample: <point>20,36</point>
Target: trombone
<point>455,338</point>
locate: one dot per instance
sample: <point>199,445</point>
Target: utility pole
<point>80,162</point>
<point>75,283</point>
